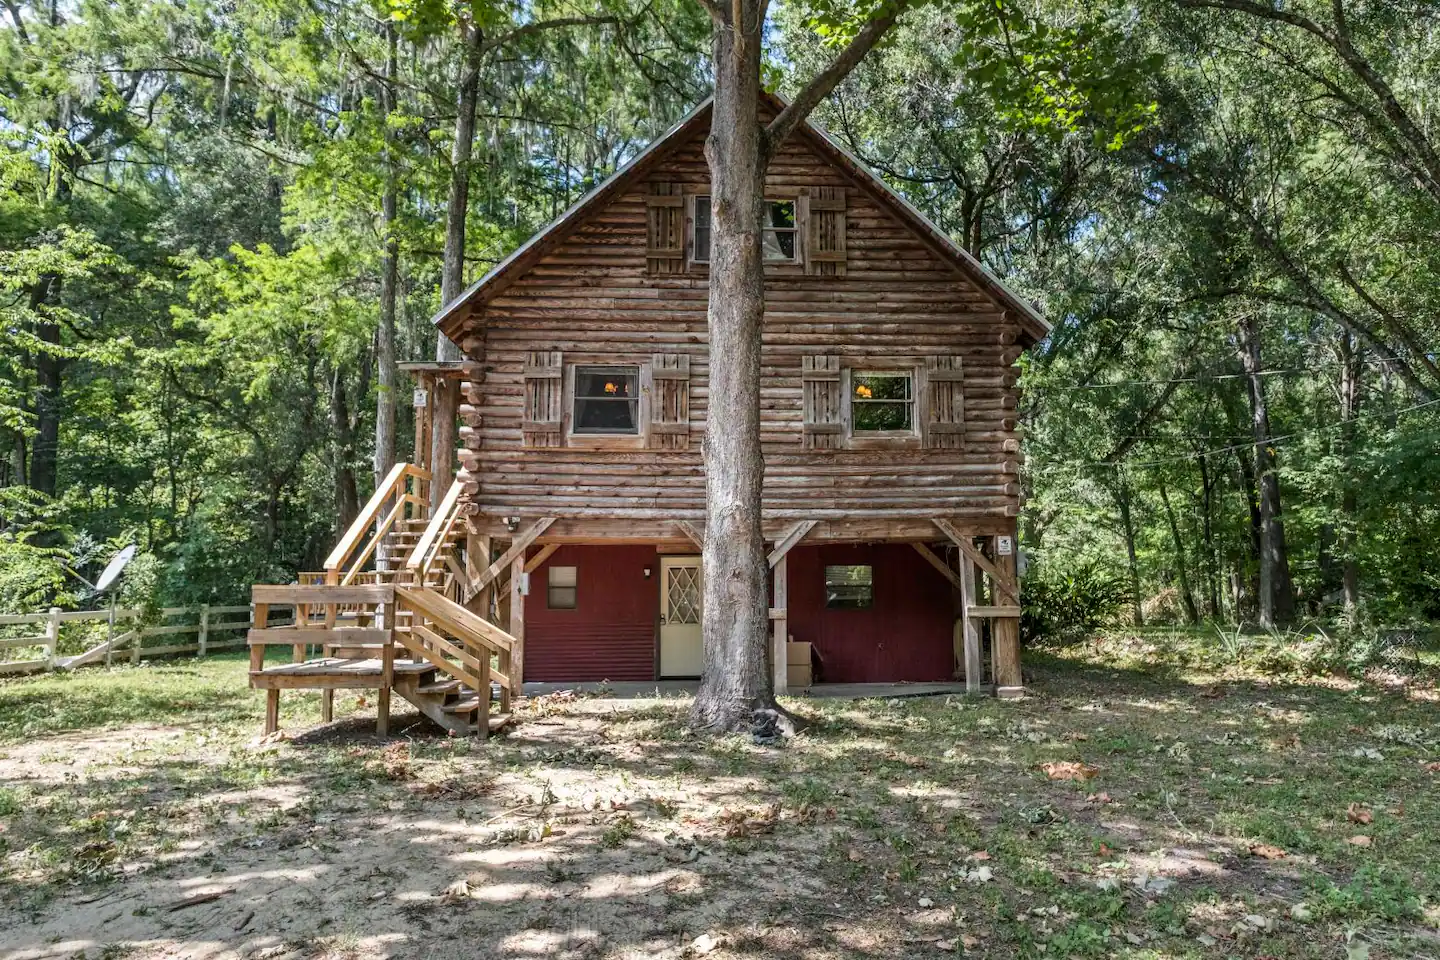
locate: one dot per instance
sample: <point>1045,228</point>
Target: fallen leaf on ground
<point>459,890</point>
<point>706,943</point>
<point>1359,840</point>
<point>1266,851</point>
<point>1399,810</point>
<point>1433,766</point>
<point>1069,770</point>
<point>1098,798</point>
<point>1358,814</point>
<point>980,855</point>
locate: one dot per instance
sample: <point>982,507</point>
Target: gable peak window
<point>882,402</point>
<point>778,239</point>
<point>607,399</point>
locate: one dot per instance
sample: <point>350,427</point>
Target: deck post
<point>272,710</point>
<point>204,628</point>
<point>782,626</point>
<point>1009,682</point>
<point>517,623</point>
<point>970,626</point>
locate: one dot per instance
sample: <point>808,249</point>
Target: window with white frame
<point>607,400</point>
<point>779,237</point>
<point>882,402</point>
<point>561,588</point>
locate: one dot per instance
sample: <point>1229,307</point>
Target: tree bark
<point>1121,492</point>
<point>1351,396</point>
<point>736,622</point>
<point>45,448</point>
<point>446,398</point>
<point>387,376</point>
<point>1277,595</point>
<point>347,498</point>
<point>1187,595</point>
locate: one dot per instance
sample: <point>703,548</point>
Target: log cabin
<point>567,548</point>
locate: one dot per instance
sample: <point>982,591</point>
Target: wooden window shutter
<point>670,401</point>
<point>825,232</point>
<point>820,380</point>
<point>665,229</point>
<point>544,399</point>
<point>945,404</point>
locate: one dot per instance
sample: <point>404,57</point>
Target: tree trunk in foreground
<point>735,681</point>
<point>452,273</point>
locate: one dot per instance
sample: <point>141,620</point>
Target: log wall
<point>895,302</point>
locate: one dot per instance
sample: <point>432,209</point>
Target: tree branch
<point>820,86</point>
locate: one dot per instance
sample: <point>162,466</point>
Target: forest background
<point>222,224</point>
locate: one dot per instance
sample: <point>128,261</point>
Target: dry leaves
<point>1359,840</point>
<point>743,822</point>
<point>1099,798</point>
<point>1266,851</point>
<point>1433,766</point>
<point>1069,770</point>
<point>1358,814</point>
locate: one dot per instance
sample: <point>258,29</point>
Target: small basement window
<point>882,402</point>
<point>607,400</point>
<point>560,588</point>
<point>849,587</point>
<point>778,239</point>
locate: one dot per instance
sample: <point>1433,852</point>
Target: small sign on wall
<point>524,584</point>
<point>421,398</point>
<point>1004,546</point>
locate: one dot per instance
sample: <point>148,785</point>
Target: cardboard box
<point>797,676</point>
<point>797,654</point>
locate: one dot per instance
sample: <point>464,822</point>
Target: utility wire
<point>1274,441</point>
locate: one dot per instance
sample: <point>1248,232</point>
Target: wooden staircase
<point>385,614</point>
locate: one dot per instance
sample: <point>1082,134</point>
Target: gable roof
<point>500,276</point>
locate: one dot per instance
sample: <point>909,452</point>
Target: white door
<point>681,651</point>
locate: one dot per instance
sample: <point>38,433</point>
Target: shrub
<point>1065,606</point>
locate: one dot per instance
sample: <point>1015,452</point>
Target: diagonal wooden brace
<point>517,549</point>
<point>1003,581</point>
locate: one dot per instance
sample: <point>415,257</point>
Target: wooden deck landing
<point>331,672</point>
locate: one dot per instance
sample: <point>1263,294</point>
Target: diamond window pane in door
<point>683,594</point>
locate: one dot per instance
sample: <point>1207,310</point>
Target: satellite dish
<point>114,568</point>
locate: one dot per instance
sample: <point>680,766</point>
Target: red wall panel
<point>905,635</point>
<point>610,635</point>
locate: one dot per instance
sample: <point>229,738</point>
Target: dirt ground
<point>1109,814</point>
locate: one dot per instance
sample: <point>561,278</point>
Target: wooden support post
<point>302,621</point>
<point>204,629</point>
<point>259,618</point>
<point>272,710</point>
<point>387,680</point>
<point>517,622</point>
<point>52,637</point>
<point>970,626</point>
<point>782,626</point>
<point>1005,633</point>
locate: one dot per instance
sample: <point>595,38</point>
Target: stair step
<point>440,687</point>
<point>468,705</point>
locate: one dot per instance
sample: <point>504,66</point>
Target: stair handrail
<point>478,638</point>
<point>436,536</point>
<point>369,528</point>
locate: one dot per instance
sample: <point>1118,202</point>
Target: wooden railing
<point>403,495</point>
<point>457,641</point>
<point>433,547</point>
<point>124,632</point>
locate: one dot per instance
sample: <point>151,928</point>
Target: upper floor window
<point>882,402</point>
<point>607,400</point>
<point>778,239</point>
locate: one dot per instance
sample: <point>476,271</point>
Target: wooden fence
<point>125,635</point>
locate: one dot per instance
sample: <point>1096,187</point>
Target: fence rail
<point>123,633</point>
